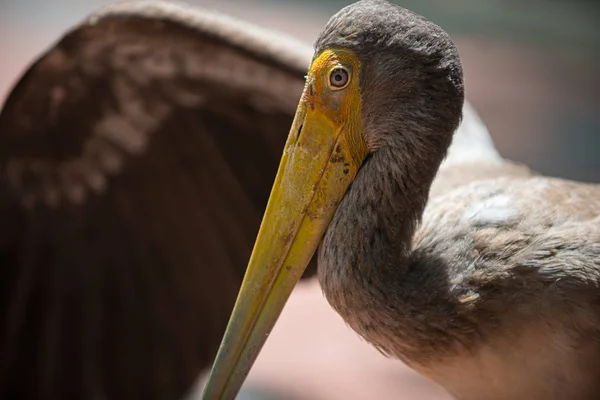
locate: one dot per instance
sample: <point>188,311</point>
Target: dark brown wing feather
<point>137,157</point>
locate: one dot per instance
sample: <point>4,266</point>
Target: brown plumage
<point>137,157</point>
<point>473,270</point>
<point>491,285</point>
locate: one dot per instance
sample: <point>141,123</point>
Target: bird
<point>136,159</point>
<point>475,271</point>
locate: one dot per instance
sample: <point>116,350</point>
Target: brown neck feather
<point>366,267</point>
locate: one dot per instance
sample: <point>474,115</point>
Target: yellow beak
<point>319,162</point>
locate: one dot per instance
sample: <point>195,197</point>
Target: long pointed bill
<point>322,155</point>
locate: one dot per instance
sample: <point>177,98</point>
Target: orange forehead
<point>330,59</point>
<point>338,104</point>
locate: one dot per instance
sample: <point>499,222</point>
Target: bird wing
<point>519,256</point>
<point>137,157</point>
<point>490,221</point>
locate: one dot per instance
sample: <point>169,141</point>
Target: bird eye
<point>339,78</point>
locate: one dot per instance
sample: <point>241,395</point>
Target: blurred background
<point>531,70</point>
<point>531,66</point>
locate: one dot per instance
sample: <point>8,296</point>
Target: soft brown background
<point>531,71</point>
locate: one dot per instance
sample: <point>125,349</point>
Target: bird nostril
<point>299,131</point>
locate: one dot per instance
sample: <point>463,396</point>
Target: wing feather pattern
<point>137,157</point>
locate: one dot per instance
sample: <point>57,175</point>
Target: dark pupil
<point>339,77</point>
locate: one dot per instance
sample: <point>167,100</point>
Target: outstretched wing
<point>137,157</point>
